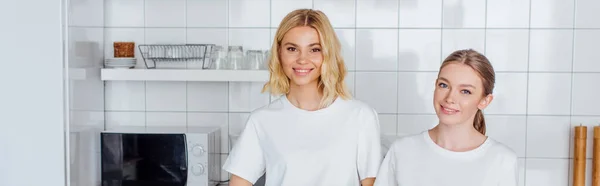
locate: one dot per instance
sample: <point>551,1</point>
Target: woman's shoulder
<point>501,150</point>
<point>276,105</point>
<point>396,142</point>
<point>358,105</point>
<point>401,143</point>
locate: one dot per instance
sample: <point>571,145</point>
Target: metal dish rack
<point>154,53</point>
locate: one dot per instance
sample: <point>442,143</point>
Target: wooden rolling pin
<point>595,158</point>
<point>579,155</point>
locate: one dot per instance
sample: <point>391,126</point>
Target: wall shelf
<point>184,75</point>
<point>89,73</point>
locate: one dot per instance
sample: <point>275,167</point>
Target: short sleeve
<point>246,159</point>
<point>387,174</point>
<point>369,145</point>
<point>509,176</point>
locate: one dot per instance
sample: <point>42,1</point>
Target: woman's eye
<point>443,85</point>
<point>465,91</point>
<point>291,49</point>
<point>316,50</point>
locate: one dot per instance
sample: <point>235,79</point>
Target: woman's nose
<point>449,97</point>
<point>302,58</point>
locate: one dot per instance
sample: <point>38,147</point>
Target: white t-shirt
<point>417,160</point>
<point>337,145</point>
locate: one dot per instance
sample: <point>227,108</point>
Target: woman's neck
<point>306,97</point>
<point>457,138</point>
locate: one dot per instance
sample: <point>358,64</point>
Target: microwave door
<point>145,159</point>
<point>111,155</point>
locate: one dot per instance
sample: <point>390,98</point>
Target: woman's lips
<point>302,71</point>
<point>448,111</point>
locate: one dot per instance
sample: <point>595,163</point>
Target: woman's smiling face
<point>301,56</point>
<point>459,94</point>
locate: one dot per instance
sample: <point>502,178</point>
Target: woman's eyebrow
<point>461,85</point>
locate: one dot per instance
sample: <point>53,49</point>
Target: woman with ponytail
<point>456,151</point>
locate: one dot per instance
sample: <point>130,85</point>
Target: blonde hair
<point>333,69</point>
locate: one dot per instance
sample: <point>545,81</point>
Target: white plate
<point>116,66</point>
<point>113,65</point>
<point>120,59</point>
<point>122,62</point>
<point>120,67</point>
<point>119,63</point>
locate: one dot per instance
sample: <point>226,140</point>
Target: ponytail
<point>479,122</point>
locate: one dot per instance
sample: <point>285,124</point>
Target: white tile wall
<point>550,50</point>
<point>464,13</point>
<point>508,48</point>
<point>378,53</point>
<point>86,50</point>
<point>507,13</point>
<point>552,13</point>
<point>419,49</point>
<point>428,11</point>
<point>544,53</point>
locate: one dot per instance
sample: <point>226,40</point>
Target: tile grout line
<point>382,113</point>
<point>104,83</point>
<point>485,25</point>
<point>345,27</point>
<point>270,15</point>
<point>442,33</point>
<point>187,125</point>
<point>187,98</point>
<point>355,42</point>
<point>397,68</point>
<point>572,82</point>
<point>145,82</point>
<point>497,71</point>
<point>186,40</point>
<point>272,37</point>
<point>228,4</point>
<point>572,58</point>
<point>527,94</point>
<point>550,158</point>
<point>186,23</point>
<point>227,37</point>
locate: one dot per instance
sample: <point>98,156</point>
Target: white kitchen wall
<point>86,91</point>
<point>543,51</point>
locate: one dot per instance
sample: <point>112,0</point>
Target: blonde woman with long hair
<point>315,133</point>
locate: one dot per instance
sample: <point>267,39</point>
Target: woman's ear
<point>485,101</point>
